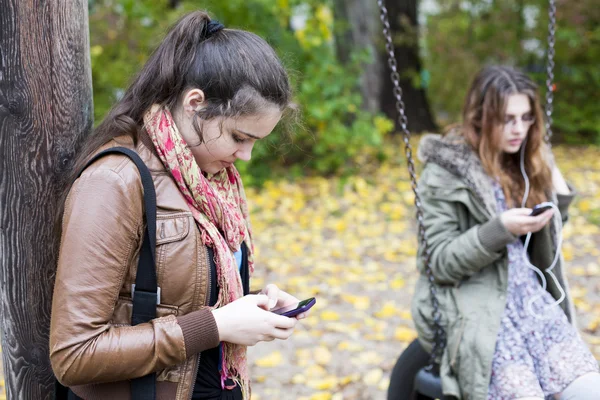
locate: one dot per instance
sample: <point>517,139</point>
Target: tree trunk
<point>358,28</point>
<point>45,111</point>
<point>404,27</point>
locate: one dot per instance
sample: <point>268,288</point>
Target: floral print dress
<point>537,354</point>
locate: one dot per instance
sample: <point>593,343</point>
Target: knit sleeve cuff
<point>200,331</point>
<point>494,236</point>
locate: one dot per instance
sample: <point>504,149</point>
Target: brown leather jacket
<point>93,348</point>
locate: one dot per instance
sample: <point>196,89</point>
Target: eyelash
<point>525,118</point>
<point>237,138</point>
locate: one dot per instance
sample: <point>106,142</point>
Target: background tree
<point>413,77</point>
<point>357,28</point>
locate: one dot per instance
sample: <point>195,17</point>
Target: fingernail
<point>272,303</point>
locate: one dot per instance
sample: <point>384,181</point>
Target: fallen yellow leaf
<point>327,383</point>
<point>397,283</point>
<point>405,334</point>
<point>350,346</point>
<point>321,396</point>
<point>322,355</point>
<point>388,310</point>
<point>329,315</point>
<point>272,360</point>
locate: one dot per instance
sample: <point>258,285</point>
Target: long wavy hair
<point>483,125</point>
<point>238,71</point>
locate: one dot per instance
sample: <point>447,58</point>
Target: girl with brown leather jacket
<point>203,99</point>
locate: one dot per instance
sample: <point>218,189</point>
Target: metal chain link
<point>550,69</point>
<point>440,333</point>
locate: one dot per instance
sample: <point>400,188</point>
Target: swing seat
<point>410,378</point>
<point>428,383</point>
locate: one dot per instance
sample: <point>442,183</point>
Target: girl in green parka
<point>508,337</point>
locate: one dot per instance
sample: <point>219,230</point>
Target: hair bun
<point>213,27</point>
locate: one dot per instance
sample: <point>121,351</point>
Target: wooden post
<point>45,111</point>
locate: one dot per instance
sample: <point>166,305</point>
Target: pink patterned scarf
<point>218,204</point>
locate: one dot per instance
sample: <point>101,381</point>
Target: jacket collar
<point>455,155</point>
<point>147,152</point>
<point>144,148</point>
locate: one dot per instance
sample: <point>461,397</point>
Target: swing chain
<point>550,69</point>
<point>439,334</point>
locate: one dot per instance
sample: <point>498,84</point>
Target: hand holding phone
<point>540,208</point>
<point>295,309</point>
<point>521,221</point>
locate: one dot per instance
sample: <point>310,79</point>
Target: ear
<point>193,101</point>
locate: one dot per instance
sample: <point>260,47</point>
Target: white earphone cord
<point>526,245</point>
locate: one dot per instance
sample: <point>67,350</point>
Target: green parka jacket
<point>469,261</point>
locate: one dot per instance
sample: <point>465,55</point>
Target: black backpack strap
<point>145,293</point>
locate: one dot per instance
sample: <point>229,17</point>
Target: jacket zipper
<point>206,303</point>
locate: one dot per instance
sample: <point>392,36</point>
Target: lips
<point>515,142</point>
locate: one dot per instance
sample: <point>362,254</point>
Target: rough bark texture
<point>45,110</point>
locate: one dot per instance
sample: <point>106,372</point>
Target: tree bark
<point>358,28</point>
<point>404,27</point>
<point>45,111</point>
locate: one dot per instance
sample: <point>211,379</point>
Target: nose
<point>244,153</point>
<point>518,126</point>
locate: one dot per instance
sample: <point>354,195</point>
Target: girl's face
<point>517,120</point>
<point>225,140</point>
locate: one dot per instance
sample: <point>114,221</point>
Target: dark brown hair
<point>238,72</point>
<point>483,123</point>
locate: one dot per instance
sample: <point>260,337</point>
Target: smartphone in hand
<point>540,208</point>
<point>295,309</point>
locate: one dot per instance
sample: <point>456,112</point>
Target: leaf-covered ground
<point>351,243</point>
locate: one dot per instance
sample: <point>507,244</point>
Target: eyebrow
<point>514,115</point>
<point>248,134</point>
